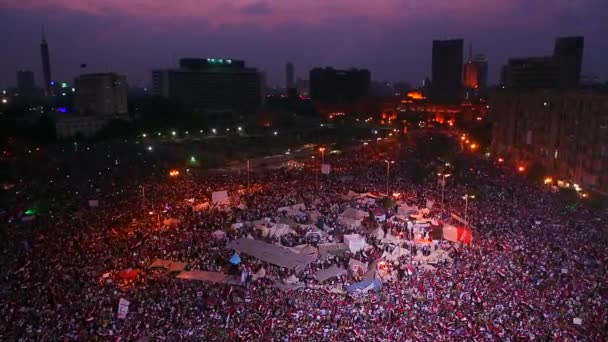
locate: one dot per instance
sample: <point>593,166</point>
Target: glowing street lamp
<point>548,180</point>
<point>521,168</point>
<point>173,133</point>
<point>443,177</point>
<point>322,150</point>
<point>466,208</point>
<point>239,128</point>
<point>500,160</point>
<point>144,135</point>
<point>173,173</point>
<point>388,172</point>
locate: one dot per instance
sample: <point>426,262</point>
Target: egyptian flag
<point>457,234</point>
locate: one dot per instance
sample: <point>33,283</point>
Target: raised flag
<point>457,234</point>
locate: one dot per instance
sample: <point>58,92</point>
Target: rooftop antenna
<point>43,34</point>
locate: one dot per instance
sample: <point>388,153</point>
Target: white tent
<point>270,253</point>
<point>354,213</point>
<point>219,235</point>
<point>200,206</point>
<point>356,265</point>
<point>220,197</point>
<point>355,242</point>
<point>378,233</point>
<point>279,230</point>
<point>406,210</point>
<point>333,271</point>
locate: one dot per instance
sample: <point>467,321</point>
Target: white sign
<point>325,169</point>
<point>123,308</point>
<point>220,197</point>
<point>577,321</point>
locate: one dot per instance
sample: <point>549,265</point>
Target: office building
<point>26,86</point>
<point>481,61</point>
<point>566,132</point>
<point>46,66</point>
<point>289,76</point>
<point>101,95</point>
<point>561,70</point>
<point>329,86</point>
<point>212,85</point>
<point>447,70</point>
<point>568,53</point>
<point>531,73</point>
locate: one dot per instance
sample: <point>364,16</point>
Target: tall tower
<point>289,77</point>
<point>447,70</point>
<point>46,65</point>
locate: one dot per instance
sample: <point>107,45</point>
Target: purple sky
<point>392,38</point>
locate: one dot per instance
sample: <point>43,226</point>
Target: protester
<point>535,269</point>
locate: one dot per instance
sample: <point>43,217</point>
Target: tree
<point>568,195</point>
<point>537,172</point>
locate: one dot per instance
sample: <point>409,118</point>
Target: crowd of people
<point>535,269</point>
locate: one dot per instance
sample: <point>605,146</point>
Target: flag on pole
<point>457,234</point>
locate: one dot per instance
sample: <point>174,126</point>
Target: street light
<point>239,128</point>
<point>466,208</point>
<point>388,172</point>
<point>173,133</point>
<point>322,150</point>
<point>173,173</point>
<point>443,177</point>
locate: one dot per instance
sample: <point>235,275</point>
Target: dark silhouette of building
<point>212,85</point>
<point>562,70</point>
<point>568,53</point>
<point>482,71</point>
<point>447,70</point>
<point>289,76</point>
<point>46,65</point>
<point>531,73</point>
<point>564,131</point>
<point>101,95</point>
<point>26,86</point>
<point>329,86</point>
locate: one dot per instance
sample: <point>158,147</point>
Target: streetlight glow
<point>173,133</point>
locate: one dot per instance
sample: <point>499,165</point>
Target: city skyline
<point>134,40</point>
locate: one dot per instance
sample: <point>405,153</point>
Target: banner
<point>325,169</point>
<point>220,197</point>
<point>123,308</point>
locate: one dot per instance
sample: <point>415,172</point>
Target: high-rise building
<point>561,70</point>
<point>289,76</point>
<point>329,86</point>
<point>447,70</point>
<point>562,130</point>
<point>482,71</point>
<point>26,86</point>
<point>46,65</point>
<point>568,53</point>
<point>101,95</point>
<point>531,73</point>
<point>217,85</point>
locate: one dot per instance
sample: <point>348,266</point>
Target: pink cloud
<point>275,12</point>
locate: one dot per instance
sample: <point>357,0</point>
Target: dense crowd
<point>535,269</point>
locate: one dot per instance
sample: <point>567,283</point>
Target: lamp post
<point>443,177</point>
<point>248,188</point>
<point>322,150</point>
<point>388,172</point>
<point>466,208</point>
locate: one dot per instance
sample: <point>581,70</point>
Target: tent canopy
<point>272,254</point>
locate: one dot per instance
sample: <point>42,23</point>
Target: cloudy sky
<point>392,38</point>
